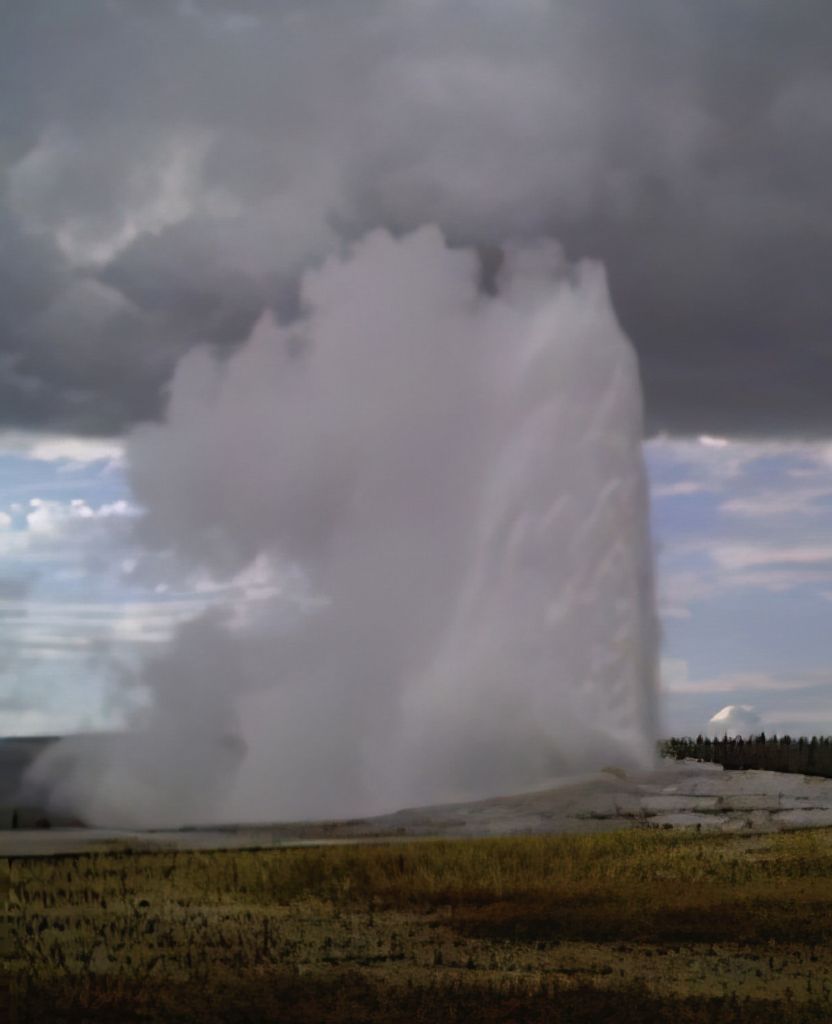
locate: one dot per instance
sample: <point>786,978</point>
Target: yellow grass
<point>673,926</point>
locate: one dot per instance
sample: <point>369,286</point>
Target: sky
<point>171,171</point>
<point>742,533</point>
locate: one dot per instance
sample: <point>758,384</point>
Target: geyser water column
<point>548,664</point>
<point>456,479</point>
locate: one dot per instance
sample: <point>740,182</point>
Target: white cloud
<point>676,679</point>
<point>714,463</point>
<point>795,501</point>
<point>680,489</point>
<point>779,581</point>
<point>747,556</point>
<point>66,540</point>
<point>52,518</point>
<point>57,447</point>
<point>734,566</point>
<point>771,502</point>
<point>42,722</point>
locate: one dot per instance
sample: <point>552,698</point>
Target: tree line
<point>770,753</point>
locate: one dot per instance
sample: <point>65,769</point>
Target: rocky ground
<point>676,795</point>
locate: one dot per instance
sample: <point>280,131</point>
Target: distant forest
<point>771,753</point>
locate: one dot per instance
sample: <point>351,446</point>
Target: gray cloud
<point>170,168</point>
<point>12,589</point>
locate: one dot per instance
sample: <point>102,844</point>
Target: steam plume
<point>444,493</point>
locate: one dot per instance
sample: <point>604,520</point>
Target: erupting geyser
<point>453,481</point>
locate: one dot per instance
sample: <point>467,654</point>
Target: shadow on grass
<point>355,999</point>
<point>654,914</point>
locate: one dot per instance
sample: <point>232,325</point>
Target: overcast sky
<point>169,169</point>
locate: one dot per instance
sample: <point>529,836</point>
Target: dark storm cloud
<point>170,167</point>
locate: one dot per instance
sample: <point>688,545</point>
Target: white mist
<point>456,480</point>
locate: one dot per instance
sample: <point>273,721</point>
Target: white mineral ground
<point>682,794</point>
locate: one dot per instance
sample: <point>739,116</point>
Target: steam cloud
<point>440,490</point>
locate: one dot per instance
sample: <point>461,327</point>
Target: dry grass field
<point>624,927</point>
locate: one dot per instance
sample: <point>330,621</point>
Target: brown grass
<point>628,926</point>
